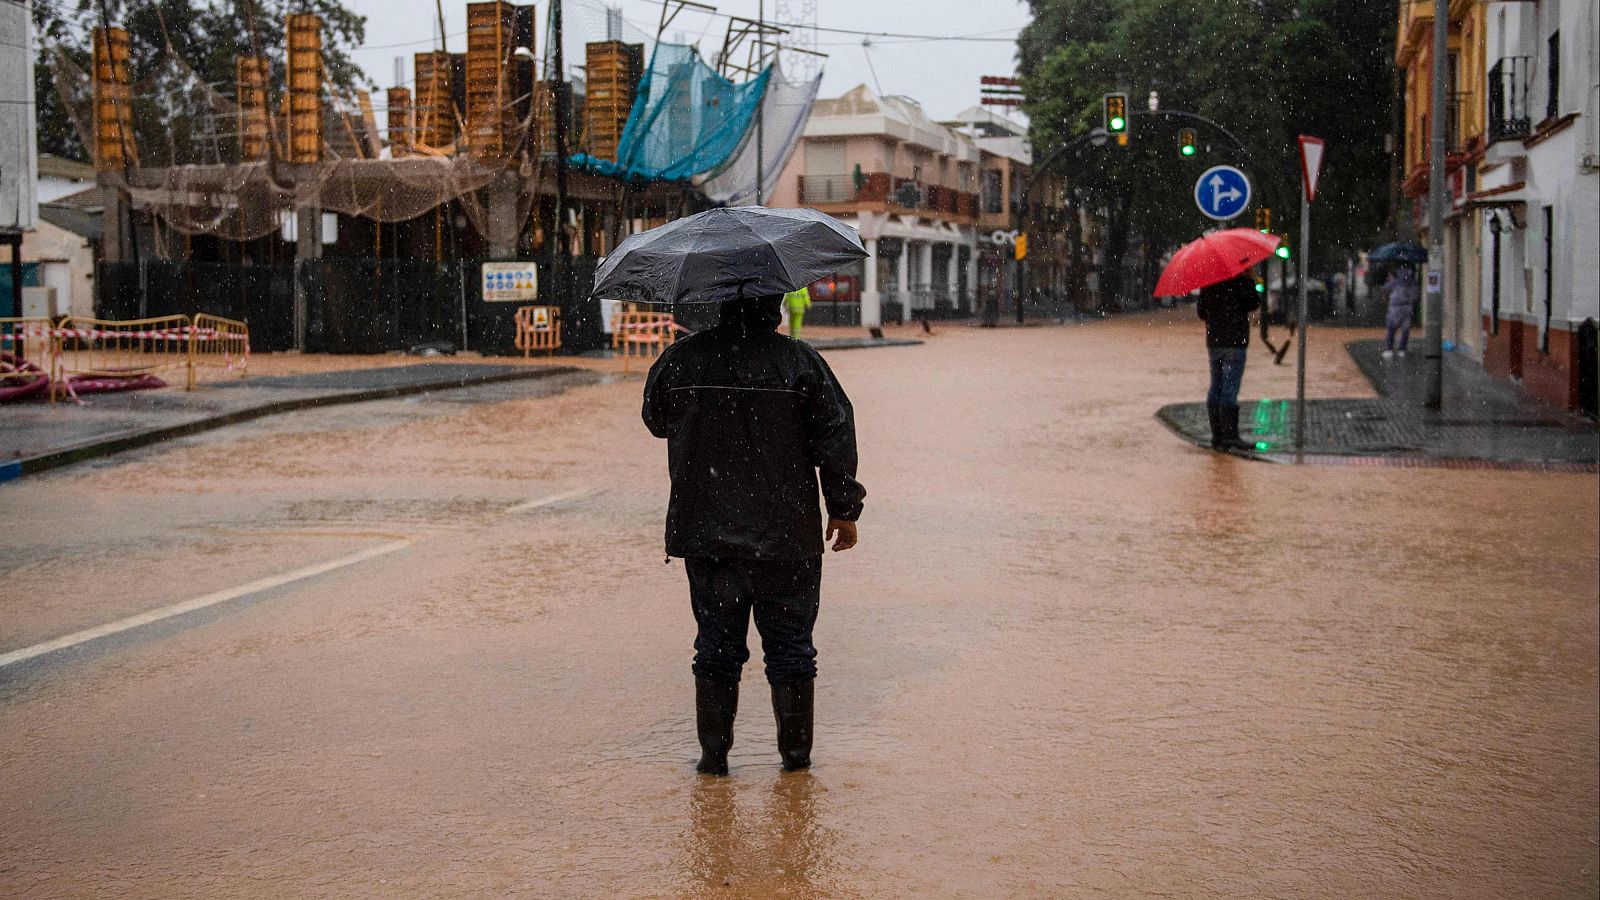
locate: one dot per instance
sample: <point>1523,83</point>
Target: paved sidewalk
<point>38,436</point>
<point>1484,420</point>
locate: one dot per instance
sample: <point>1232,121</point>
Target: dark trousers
<point>1227,372</point>
<point>783,595</point>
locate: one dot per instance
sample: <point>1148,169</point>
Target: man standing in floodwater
<point>1225,307</point>
<point>751,418</point>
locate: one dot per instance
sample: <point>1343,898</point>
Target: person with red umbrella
<point>1219,265</point>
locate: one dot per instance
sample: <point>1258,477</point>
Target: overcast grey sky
<point>942,75</point>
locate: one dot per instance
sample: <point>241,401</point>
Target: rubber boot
<point>792,705</point>
<point>715,703</point>
<point>1213,416</point>
<point>1228,418</point>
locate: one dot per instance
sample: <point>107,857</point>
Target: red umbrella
<point>1214,257</point>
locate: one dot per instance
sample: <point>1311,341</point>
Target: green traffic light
<point>1117,123</point>
<point>1188,150</point>
<point>1283,252</point>
<point>1261,288</point>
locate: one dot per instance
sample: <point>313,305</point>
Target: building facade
<point>909,185</point>
<point>1464,149</point>
<point>1522,231</point>
<point>1538,190</point>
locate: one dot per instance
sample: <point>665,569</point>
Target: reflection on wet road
<point>1072,656</point>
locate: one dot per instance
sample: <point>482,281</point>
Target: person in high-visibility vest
<point>798,302</point>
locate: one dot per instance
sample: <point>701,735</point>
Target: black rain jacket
<point>750,416</point>
<point>1225,307</point>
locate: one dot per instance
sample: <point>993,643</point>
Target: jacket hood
<point>753,315</point>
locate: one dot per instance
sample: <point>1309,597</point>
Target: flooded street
<point>1073,655</point>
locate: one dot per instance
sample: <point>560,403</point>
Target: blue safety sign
<point>1222,193</point>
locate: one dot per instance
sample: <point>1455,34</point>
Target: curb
<point>29,465</point>
<point>1384,460</point>
<point>847,344</point>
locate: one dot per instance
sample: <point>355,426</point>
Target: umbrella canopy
<point>1213,258</point>
<point>726,254</point>
<point>1399,251</point>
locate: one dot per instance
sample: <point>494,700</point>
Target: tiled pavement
<point>1483,419</point>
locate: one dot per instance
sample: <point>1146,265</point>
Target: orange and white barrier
<point>81,348</point>
<point>642,334</point>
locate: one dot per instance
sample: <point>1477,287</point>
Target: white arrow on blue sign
<point>1222,193</point>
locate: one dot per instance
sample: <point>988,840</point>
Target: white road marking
<point>178,609</point>
<point>552,499</point>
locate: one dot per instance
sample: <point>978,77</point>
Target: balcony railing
<point>881,187</point>
<point>829,189</point>
<point>1508,99</point>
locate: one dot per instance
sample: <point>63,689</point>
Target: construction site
<point>290,206</point>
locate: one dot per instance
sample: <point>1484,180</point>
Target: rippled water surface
<point>1073,656</point>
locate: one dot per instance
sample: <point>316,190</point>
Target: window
<point>1552,101</point>
<point>992,201</point>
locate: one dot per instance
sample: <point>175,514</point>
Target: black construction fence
<point>354,305</point>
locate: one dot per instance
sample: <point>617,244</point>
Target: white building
<point>59,177</point>
<point>1539,191</point>
<point>909,185</point>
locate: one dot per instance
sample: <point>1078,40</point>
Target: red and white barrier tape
<point>166,334</point>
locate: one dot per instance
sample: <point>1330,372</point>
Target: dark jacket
<point>750,416</point>
<point>1226,307</point>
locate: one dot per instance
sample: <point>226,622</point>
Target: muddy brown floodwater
<point>1072,656</point>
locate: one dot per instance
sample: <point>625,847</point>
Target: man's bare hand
<point>846,532</point>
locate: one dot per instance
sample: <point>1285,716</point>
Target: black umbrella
<point>726,254</point>
<point>1399,251</point>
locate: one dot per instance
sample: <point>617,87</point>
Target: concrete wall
<point>51,244</point>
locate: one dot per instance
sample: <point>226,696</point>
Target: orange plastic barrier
<point>538,328</point>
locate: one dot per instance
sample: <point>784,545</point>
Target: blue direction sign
<point>1222,193</point>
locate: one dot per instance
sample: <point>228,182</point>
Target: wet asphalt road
<point>1073,656</point>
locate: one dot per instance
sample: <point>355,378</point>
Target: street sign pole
<point>1310,168</point>
<point>1300,353</point>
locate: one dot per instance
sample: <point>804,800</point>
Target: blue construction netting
<point>686,120</point>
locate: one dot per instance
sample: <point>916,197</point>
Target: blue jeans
<point>783,595</point>
<point>1397,321</point>
<point>1227,372</point>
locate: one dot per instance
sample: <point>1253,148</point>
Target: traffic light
<point>1282,251</point>
<point>1264,219</point>
<point>1116,113</point>
<point>1186,142</point>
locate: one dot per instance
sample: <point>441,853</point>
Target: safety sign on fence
<point>510,282</point>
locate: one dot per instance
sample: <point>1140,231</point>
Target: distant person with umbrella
<point>753,420</point>
<point>1219,265</point>
<point>1401,291</point>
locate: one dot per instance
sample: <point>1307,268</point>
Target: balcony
<point>1508,99</point>
<point>880,189</point>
